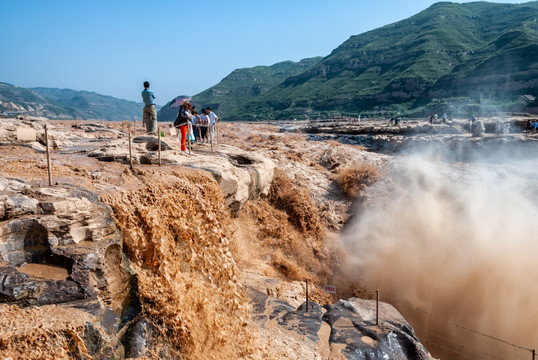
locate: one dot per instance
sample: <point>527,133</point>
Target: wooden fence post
<point>130,151</point>
<point>49,166</point>
<point>159,136</point>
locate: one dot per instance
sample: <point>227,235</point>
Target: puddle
<point>49,272</point>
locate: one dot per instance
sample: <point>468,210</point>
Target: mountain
<point>450,57</point>
<point>66,104</point>
<point>90,105</point>
<point>243,85</point>
<point>14,99</point>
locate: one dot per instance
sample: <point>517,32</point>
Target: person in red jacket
<point>182,122</point>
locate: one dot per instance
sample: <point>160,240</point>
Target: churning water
<point>453,246</point>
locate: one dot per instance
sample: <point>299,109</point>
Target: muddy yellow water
<point>43,271</point>
<point>176,234</point>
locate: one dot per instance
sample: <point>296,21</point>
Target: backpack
<point>182,119</point>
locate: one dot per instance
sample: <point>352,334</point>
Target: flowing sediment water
<point>453,246</point>
<point>175,232</point>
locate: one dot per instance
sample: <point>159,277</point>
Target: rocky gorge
<point>202,256</point>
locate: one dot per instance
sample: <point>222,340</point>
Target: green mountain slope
<point>244,85</point>
<point>66,104</point>
<point>480,50</point>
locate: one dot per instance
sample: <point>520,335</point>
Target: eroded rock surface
<point>345,330</point>
<point>60,247</point>
<point>241,175</point>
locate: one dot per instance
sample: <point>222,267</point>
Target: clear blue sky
<point>180,47</point>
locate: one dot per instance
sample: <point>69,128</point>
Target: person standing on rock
<point>204,125</point>
<point>182,122</point>
<point>213,118</point>
<point>149,116</point>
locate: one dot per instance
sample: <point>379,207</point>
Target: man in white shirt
<point>213,118</point>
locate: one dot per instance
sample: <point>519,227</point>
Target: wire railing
<point>452,346</point>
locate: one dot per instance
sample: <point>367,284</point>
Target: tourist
<point>498,127</point>
<point>195,122</point>
<point>444,118</point>
<point>182,122</point>
<point>213,118</point>
<point>149,115</point>
<point>204,124</point>
<point>471,121</point>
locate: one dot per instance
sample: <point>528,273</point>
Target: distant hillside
<point>90,105</point>
<point>244,85</point>
<point>14,99</point>
<point>450,57</point>
<point>66,104</point>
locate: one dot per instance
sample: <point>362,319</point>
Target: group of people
<point>191,124</point>
<point>394,120</point>
<point>195,126</point>
<point>434,117</point>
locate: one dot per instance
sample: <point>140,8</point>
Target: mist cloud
<point>455,239</point>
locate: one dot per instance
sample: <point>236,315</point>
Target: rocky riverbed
<point>202,256</point>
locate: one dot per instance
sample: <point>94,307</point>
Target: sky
<point>182,48</point>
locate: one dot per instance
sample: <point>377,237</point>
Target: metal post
<point>49,167</point>
<point>130,151</point>
<point>533,354</point>
<point>306,295</point>
<point>377,308</point>
<point>159,136</point>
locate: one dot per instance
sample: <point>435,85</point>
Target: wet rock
<point>137,338</point>
<point>354,330</point>
<point>350,326</point>
<point>110,321</point>
<point>140,340</point>
<point>93,339</point>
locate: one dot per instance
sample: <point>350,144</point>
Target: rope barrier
<point>452,350</point>
<point>446,340</point>
<point>459,325</point>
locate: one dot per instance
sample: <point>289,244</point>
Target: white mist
<point>457,240</point>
